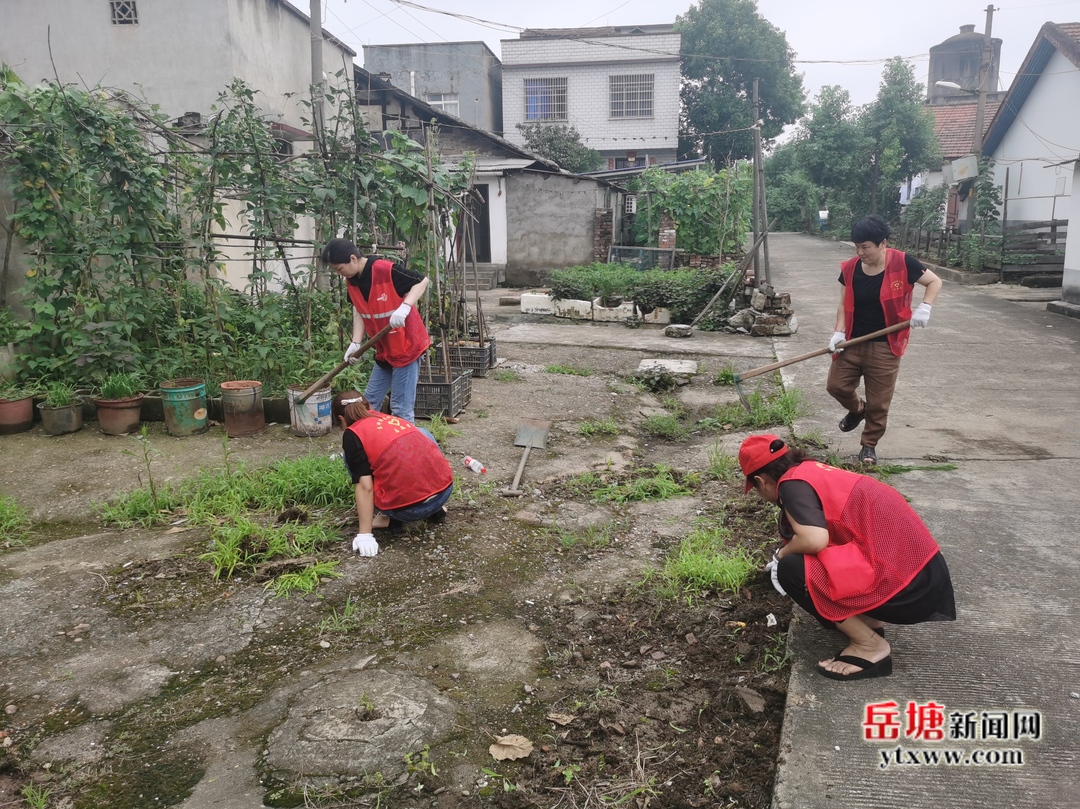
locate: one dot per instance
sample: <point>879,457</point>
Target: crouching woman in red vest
<point>855,554</point>
<point>396,467</point>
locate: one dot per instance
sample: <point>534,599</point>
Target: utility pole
<point>985,63</point>
<point>318,90</point>
<point>761,217</point>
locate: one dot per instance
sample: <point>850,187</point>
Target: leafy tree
<point>900,135</point>
<point>561,144</point>
<point>726,44</point>
<point>794,199</point>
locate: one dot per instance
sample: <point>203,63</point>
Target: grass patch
<point>886,471</point>
<point>666,426</point>
<point>725,376</point>
<point>438,427</point>
<point>601,427</point>
<point>765,411</point>
<point>14,523</point>
<point>569,370</point>
<point>507,376</point>
<point>653,483</point>
<point>590,538</point>
<point>705,563</point>
<point>723,467</point>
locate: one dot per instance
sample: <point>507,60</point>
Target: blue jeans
<point>401,382</point>
<point>423,509</point>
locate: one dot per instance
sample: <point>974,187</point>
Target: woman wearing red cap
<point>395,466</point>
<point>855,554</point>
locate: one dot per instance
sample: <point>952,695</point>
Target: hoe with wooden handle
<point>341,366</point>
<point>764,369</point>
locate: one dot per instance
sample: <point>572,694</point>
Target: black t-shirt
<point>356,458</point>
<point>798,498</point>
<point>869,316</point>
<point>404,279</point>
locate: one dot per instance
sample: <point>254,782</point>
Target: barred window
<point>124,13</point>
<point>447,102</point>
<point>632,96</point>
<point>545,99</point>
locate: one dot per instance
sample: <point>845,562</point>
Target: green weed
<point>886,471</point>
<point>726,376</point>
<point>341,622</point>
<point>593,536</point>
<point>570,370</point>
<point>303,581</point>
<point>439,428</point>
<point>776,656</point>
<point>706,563</point>
<point>659,483</point>
<point>36,797</point>
<point>765,411</point>
<point>601,427</point>
<point>666,426</point>
<point>507,376</point>
<point>507,785</point>
<point>723,467</point>
<point>13,523</point>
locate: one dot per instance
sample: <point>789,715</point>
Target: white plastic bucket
<point>311,417</point>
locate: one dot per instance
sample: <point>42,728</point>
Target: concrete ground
<point>992,385</point>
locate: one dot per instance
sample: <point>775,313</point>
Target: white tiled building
<point>618,86</point>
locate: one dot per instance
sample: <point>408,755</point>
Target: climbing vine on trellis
<point>119,210</point>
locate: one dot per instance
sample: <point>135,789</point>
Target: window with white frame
<point>632,95</point>
<point>447,102</point>
<point>123,12</point>
<point>545,99</point>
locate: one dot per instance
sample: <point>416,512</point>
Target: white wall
<point>497,214</point>
<point>587,66</point>
<point>1046,131</point>
<point>1070,282</point>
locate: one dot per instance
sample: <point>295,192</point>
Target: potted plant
<point>119,406</point>
<point>61,410</point>
<point>16,407</point>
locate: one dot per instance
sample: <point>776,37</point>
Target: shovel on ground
<point>531,433</point>
<point>764,369</point>
<point>341,366</point>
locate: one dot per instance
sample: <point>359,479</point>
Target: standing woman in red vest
<point>383,291</point>
<point>396,468</point>
<point>876,292</point>
<point>855,554</point>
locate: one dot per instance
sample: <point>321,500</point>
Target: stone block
<point>616,314</point>
<point>673,367</point>
<point>743,319</point>
<point>537,303</point>
<point>677,330</point>
<point>658,316</point>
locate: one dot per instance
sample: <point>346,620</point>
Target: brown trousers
<point>878,367</point>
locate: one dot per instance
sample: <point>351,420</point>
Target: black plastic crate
<point>475,357</point>
<point>437,397</point>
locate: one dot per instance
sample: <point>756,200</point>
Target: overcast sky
<point>861,33</point>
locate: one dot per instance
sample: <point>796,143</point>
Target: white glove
<point>352,353</point>
<point>771,569</point>
<point>921,316</point>
<point>397,319</point>
<point>837,337</point>
<point>365,544</point>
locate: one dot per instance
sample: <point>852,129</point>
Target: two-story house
<point>618,86</point>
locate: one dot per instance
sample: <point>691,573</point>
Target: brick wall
<point>695,261</point>
<point>666,237</point>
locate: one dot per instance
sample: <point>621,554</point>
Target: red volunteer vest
<point>876,518</point>
<point>407,467</point>
<point>400,346</point>
<point>895,297</point>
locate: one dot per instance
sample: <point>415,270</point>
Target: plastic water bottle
<point>475,465</point>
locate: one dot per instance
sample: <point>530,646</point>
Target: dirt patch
<point>133,676</point>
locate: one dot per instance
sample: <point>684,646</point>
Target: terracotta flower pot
<point>16,415</point>
<point>119,416</point>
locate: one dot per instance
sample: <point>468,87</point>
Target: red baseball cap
<point>755,453</point>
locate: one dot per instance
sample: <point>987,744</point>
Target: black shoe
<point>438,518</point>
<point>867,456</point>
<point>852,420</point>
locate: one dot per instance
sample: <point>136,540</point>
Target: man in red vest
<point>876,287</point>
<point>383,291</point>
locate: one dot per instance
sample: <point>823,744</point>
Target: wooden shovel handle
<point>764,369</point>
<point>341,366</point>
